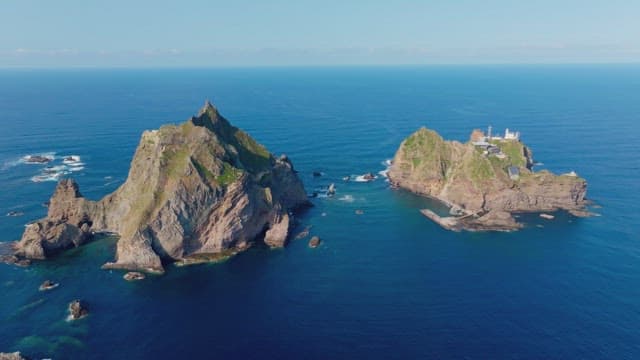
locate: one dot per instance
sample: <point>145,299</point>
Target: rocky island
<point>200,189</point>
<point>483,182</point>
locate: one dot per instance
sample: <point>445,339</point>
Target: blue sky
<point>116,33</point>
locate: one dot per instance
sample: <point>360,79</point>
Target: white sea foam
<point>54,169</point>
<point>49,155</point>
<point>71,159</point>
<point>385,173</point>
<point>347,198</point>
<point>58,166</point>
<point>11,163</point>
<point>46,177</point>
<point>360,178</point>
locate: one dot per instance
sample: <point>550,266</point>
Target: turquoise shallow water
<point>385,284</point>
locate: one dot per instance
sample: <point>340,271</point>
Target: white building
<point>508,135</point>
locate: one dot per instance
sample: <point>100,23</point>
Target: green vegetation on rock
<point>514,150</point>
<point>175,160</point>
<point>253,155</point>
<point>229,174</point>
<point>425,149</point>
<point>202,170</point>
<point>480,168</point>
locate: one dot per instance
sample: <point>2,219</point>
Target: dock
<point>447,222</point>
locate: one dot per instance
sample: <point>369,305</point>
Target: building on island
<point>488,144</point>
<point>508,135</point>
<point>479,137</point>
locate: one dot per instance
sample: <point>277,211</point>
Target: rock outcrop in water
<point>12,356</point>
<point>77,310</point>
<point>202,187</point>
<point>483,185</point>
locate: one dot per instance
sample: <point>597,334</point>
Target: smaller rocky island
<point>484,181</point>
<point>77,310</point>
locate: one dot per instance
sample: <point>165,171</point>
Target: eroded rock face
<point>478,183</point>
<point>201,187</point>
<point>67,224</point>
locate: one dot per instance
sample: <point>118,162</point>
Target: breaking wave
<point>347,198</point>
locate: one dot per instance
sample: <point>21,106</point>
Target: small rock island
<point>483,182</point>
<point>200,189</point>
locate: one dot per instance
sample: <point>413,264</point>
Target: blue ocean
<point>384,284</point>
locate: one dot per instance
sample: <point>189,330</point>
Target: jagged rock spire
<point>208,107</point>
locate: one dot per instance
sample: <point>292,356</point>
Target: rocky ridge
<point>477,185</point>
<point>201,187</point>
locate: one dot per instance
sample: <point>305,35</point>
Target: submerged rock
<point>14,260</point>
<point>314,242</point>
<point>481,186</point>
<point>201,187</point>
<point>369,177</point>
<point>77,310</point>
<point>133,276</point>
<point>37,159</point>
<point>48,285</point>
<point>303,234</point>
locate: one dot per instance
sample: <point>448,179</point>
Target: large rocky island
<point>195,191</point>
<point>483,182</point>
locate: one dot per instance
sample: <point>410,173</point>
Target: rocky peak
<point>207,107</point>
<point>67,189</point>
<point>209,117</point>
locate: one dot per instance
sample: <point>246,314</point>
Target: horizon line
<point>275,66</point>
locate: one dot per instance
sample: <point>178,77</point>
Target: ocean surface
<point>387,284</point>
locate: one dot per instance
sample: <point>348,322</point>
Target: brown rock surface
<point>478,184</point>
<point>314,242</point>
<point>133,276</point>
<point>201,187</point>
<point>12,356</point>
<point>77,310</point>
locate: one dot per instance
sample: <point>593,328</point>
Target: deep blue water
<point>387,284</point>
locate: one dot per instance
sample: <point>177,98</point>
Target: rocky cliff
<point>475,180</point>
<point>200,188</point>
